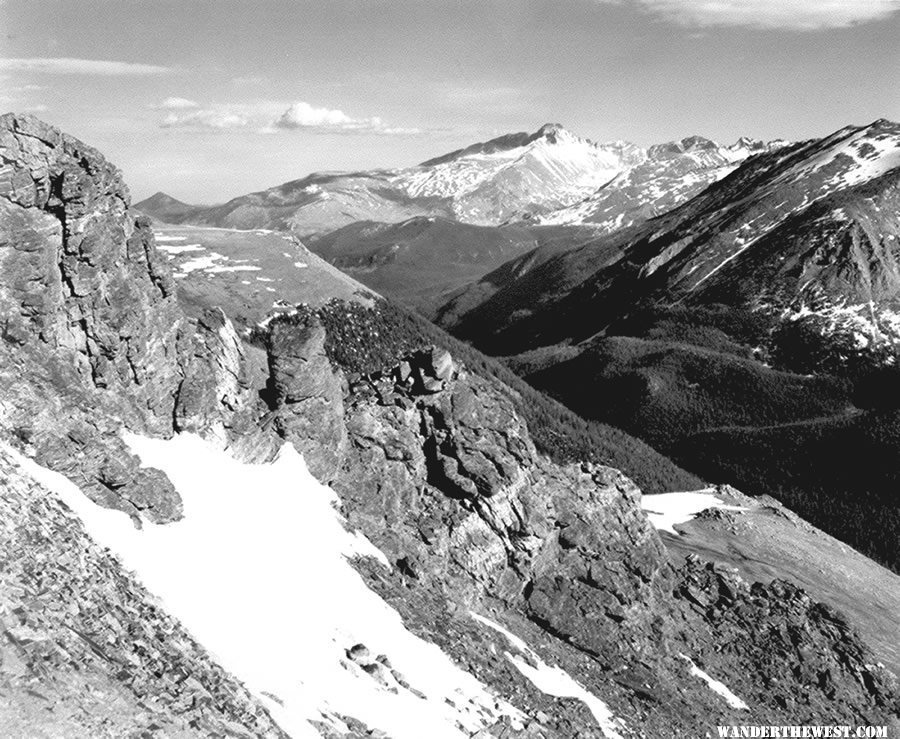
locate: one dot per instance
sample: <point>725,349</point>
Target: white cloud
<point>304,115</point>
<point>213,118</point>
<point>176,103</point>
<point>399,131</point>
<point>798,15</point>
<point>66,65</point>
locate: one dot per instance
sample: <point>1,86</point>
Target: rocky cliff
<point>440,472</point>
<point>93,337</point>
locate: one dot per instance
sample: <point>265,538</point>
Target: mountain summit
<point>753,333</point>
<point>810,226</point>
<point>519,173</point>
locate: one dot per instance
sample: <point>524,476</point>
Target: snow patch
<point>666,510</point>
<point>205,262</point>
<point>258,571</point>
<point>179,248</point>
<point>166,237</point>
<point>555,681</point>
<point>236,268</point>
<point>716,686</point>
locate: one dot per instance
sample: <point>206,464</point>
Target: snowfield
<point>716,686</point>
<point>262,552</point>
<point>667,510</point>
<point>555,681</point>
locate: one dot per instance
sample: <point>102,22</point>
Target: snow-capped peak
<point>489,182</point>
<point>552,130</point>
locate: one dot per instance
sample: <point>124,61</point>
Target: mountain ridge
<point>488,183</point>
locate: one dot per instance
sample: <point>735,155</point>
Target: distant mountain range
<point>804,230</point>
<point>668,175</point>
<point>485,196</point>
<point>549,176</point>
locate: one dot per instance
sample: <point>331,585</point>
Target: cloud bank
<point>796,15</point>
<point>176,103</point>
<point>67,65</point>
<point>215,119</point>
<point>270,117</point>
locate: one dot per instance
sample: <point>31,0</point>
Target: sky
<point>211,99</point>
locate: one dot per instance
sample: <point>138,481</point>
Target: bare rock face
<point>85,277</point>
<point>799,655</point>
<point>92,335</point>
<point>216,398</point>
<point>306,395</point>
<point>441,473</point>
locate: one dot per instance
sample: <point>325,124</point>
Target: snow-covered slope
<point>670,175</point>
<point>667,510</point>
<point>551,168</point>
<point>259,571</point>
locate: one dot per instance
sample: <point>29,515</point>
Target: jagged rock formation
<point>85,279</point>
<point>779,629</point>
<point>93,336</point>
<point>306,396</point>
<point>440,472</point>
<point>436,428</point>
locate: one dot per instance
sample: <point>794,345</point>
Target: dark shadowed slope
<point>420,261</point>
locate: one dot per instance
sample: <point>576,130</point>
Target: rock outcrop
<point>306,395</point>
<point>86,278</point>
<point>441,473</point>
<point>92,334</point>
